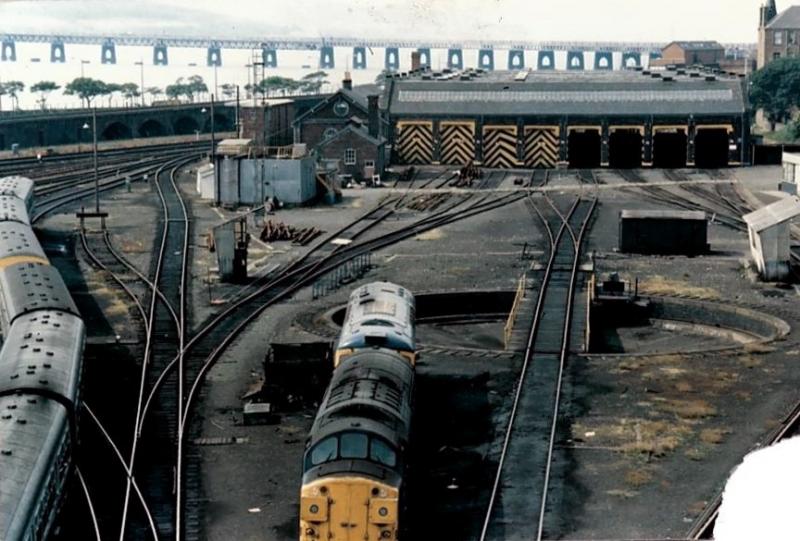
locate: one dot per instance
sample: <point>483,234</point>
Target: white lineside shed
<point>205,181</point>
<point>770,237</point>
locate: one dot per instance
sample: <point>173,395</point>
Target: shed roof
<point>786,20</point>
<point>774,214</point>
<point>663,215</point>
<point>627,93</point>
<point>698,45</point>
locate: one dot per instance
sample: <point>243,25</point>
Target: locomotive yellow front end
<point>348,509</point>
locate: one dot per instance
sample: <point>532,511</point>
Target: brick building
<point>691,53</point>
<point>778,33</point>
<point>346,130</point>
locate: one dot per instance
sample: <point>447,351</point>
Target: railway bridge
<point>572,55</point>
<point>65,127</point>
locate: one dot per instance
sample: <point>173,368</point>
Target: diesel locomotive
<point>354,463</point>
<point>40,372</point>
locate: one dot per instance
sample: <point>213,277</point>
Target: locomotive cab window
<point>354,445</point>
<point>325,451</point>
<point>381,453</point>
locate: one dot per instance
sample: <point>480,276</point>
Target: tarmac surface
<point>648,433</point>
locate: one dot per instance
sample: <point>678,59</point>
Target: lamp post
<point>140,63</point>
<point>204,111</point>
<point>94,159</point>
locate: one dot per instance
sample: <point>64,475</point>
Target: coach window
<point>354,445</point>
<point>325,451</point>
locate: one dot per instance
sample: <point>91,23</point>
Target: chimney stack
<point>374,119</point>
<point>416,61</point>
<point>347,83</point>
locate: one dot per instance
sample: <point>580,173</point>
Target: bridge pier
<point>631,60</point>
<point>547,60</point>
<point>359,58</point>
<point>455,59</point>
<point>9,51</point>
<point>57,54</point>
<point>160,56</point>
<point>516,59</point>
<point>269,57</point>
<point>392,59</point>
<point>214,57</point>
<point>575,60</point>
<point>424,57</point>
<point>603,61</point>
<point>108,53</point>
<point>486,59</point>
<point>326,60</point>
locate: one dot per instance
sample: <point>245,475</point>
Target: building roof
<point>558,93</point>
<point>697,45</point>
<point>787,19</point>
<point>663,215</point>
<point>351,128</point>
<point>774,214</point>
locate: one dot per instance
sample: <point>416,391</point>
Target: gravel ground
<point>635,430</point>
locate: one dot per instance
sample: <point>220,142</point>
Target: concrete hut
<point>769,231</point>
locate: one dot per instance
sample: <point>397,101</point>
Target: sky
<point>729,21</point>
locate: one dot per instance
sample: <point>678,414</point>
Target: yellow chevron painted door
<point>415,142</point>
<point>500,146</point>
<point>457,143</point>
<point>541,146</point>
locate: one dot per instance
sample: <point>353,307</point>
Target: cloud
<point>580,20</point>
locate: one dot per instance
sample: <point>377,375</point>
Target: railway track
<point>518,502</point>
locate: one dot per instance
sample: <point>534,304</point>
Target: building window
<point>778,38</point>
<point>350,156</point>
<point>369,163</point>
<point>341,108</point>
<point>791,37</point>
<point>328,133</point>
<point>776,56</point>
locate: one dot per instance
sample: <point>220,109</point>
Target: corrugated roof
<point>663,215</point>
<point>568,93</point>
<point>698,45</point>
<point>788,19</point>
<point>774,214</point>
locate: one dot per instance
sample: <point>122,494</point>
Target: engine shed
<point>548,119</point>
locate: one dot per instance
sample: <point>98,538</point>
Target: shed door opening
<point>711,148</point>
<point>584,149</point>
<point>625,149</point>
<point>669,150</point>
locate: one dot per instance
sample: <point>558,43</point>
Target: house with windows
<point>778,33</point>
<point>346,131</point>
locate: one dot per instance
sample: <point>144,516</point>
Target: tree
<point>130,91</point>
<point>776,89</point>
<point>195,87</point>
<point>312,82</point>
<point>154,92</point>
<point>109,89</point>
<point>13,88</point>
<point>228,90</point>
<point>44,88</point>
<point>175,91</point>
<point>86,89</point>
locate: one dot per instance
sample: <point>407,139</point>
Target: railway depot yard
<point>658,409</point>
